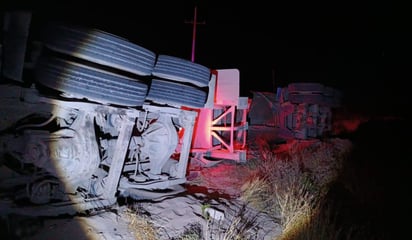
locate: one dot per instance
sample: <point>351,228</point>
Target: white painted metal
<point>221,128</point>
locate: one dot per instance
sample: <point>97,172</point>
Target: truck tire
<point>81,81</point>
<point>182,70</point>
<point>176,94</point>
<point>100,47</point>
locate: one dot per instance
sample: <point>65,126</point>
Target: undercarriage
<point>92,118</point>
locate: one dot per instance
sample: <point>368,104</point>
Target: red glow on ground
<point>347,126</point>
<point>226,177</point>
<point>347,123</point>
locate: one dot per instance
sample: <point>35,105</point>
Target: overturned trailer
<point>88,117</point>
<point>302,110</point>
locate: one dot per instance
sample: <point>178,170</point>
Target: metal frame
<point>224,120</point>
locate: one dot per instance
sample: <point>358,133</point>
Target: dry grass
<point>259,194</point>
<point>313,224</point>
<point>299,181</point>
<point>290,188</point>
<point>241,226</point>
<point>141,226</point>
<point>192,232</point>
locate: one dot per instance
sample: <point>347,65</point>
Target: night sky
<point>362,48</point>
<point>354,46</point>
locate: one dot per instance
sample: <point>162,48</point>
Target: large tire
<point>100,47</point>
<point>176,94</point>
<point>81,81</point>
<point>182,70</point>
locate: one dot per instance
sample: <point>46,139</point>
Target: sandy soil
<point>214,187</point>
<point>217,187</point>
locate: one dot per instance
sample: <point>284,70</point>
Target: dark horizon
<point>348,46</point>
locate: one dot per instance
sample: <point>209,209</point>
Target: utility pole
<point>194,22</point>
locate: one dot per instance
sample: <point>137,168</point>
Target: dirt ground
<point>214,183</point>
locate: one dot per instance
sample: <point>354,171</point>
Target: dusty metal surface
<point>78,134</point>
